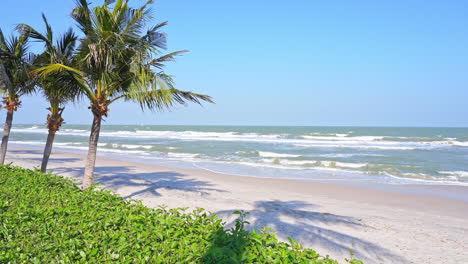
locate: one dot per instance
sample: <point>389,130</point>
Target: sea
<point>397,155</point>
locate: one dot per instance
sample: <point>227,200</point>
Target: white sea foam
<point>80,146</point>
<point>182,155</point>
<point>460,143</point>
<point>124,146</point>
<point>304,165</point>
<point>75,130</point>
<point>27,142</point>
<point>350,165</point>
<point>36,130</point>
<point>281,150</point>
<point>127,146</point>
<point>349,155</point>
<point>276,155</point>
<point>456,174</point>
<point>313,140</point>
<point>326,135</point>
<point>323,145</point>
<point>271,164</point>
<point>337,164</point>
<point>332,173</point>
<point>314,163</point>
<point>340,155</point>
<point>344,137</point>
<point>286,162</point>
<point>30,130</point>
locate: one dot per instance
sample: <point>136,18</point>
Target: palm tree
<point>117,60</point>
<point>57,88</point>
<point>15,79</point>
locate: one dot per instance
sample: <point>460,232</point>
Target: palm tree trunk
<point>88,178</point>
<point>6,135</point>
<point>48,149</point>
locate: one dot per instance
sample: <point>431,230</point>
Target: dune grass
<point>46,218</point>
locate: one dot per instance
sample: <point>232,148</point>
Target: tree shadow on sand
<point>143,184</point>
<point>298,220</point>
<point>39,152</point>
<point>29,151</point>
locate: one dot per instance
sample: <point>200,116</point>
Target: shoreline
<point>444,190</point>
<point>370,154</point>
<point>381,226</point>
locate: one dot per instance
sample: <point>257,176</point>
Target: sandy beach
<point>342,126</point>
<point>381,226</point>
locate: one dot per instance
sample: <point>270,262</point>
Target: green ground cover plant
<point>46,218</point>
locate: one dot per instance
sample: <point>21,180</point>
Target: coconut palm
<point>15,79</point>
<point>118,60</point>
<point>58,88</point>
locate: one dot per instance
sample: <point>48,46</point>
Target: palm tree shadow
<point>297,219</point>
<point>29,151</point>
<point>39,152</point>
<point>143,184</point>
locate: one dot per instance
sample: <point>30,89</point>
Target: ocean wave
<point>344,137</point>
<point>26,142</point>
<point>286,162</point>
<point>455,174</point>
<point>124,146</point>
<point>182,155</point>
<point>312,140</point>
<point>276,155</point>
<point>278,160</point>
<point>416,139</point>
<point>374,146</point>
<point>460,143</point>
<point>36,130</point>
<point>321,135</point>
<point>80,146</point>
<point>349,155</point>
<point>315,163</point>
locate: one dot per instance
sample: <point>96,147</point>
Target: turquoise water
<point>391,154</point>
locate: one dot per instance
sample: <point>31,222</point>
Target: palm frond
<point>159,62</point>
<point>3,43</point>
<point>131,21</point>
<point>50,35</point>
<point>60,87</point>
<point>4,47</point>
<point>165,98</point>
<point>16,66</point>
<point>66,44</point>
<point>20,46</point>
<point>55,68</point>
<point>5,83</point>
<point>76,79</point>
<point>32,33</point>
<point>82,15</point>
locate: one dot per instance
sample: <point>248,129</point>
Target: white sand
<point>380,226</point>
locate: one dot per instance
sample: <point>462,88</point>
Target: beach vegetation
<point>119,60</point>
<point>48,219</point>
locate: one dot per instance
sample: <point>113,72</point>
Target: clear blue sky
<point>299,62</point>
